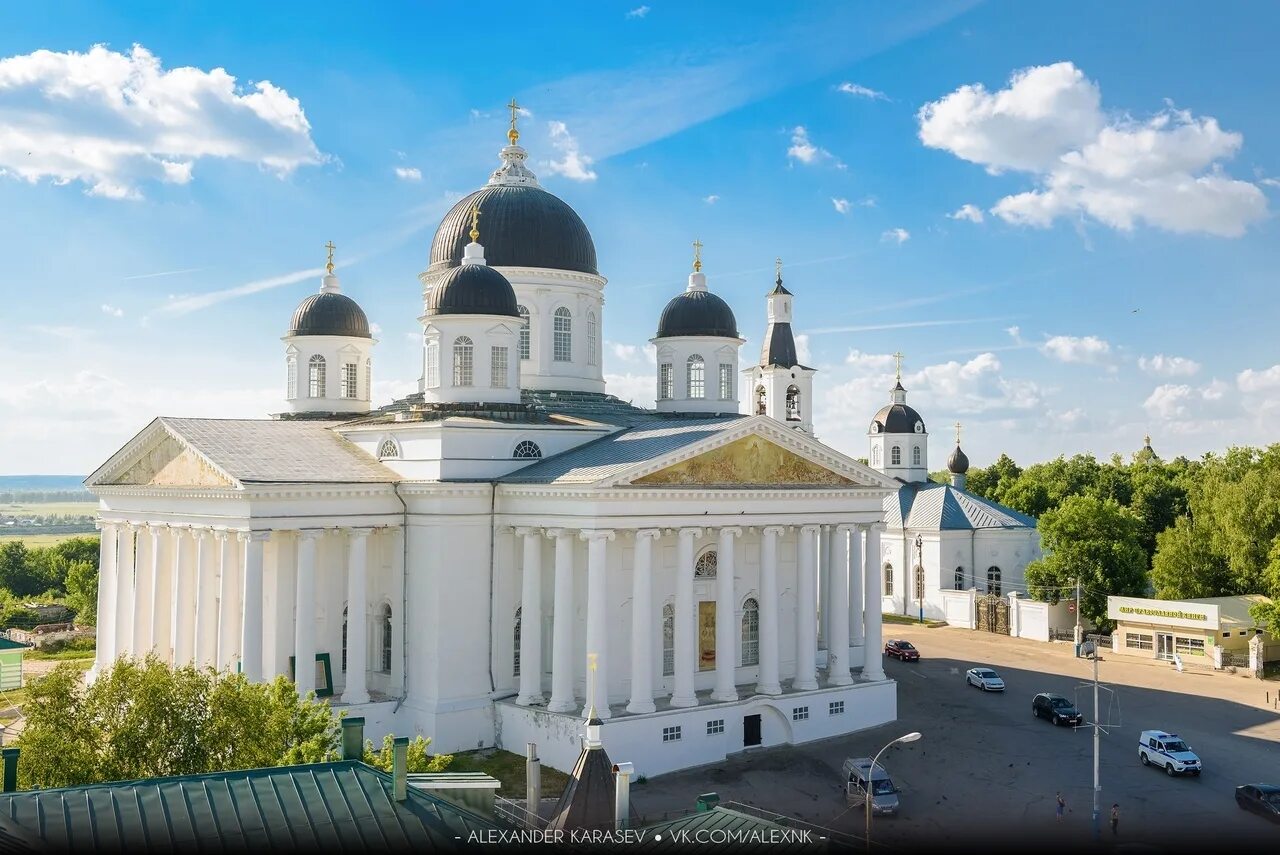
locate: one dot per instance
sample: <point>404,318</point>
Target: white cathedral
<point>449,563</point>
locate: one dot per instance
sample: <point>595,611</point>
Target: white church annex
<point>446,564</point>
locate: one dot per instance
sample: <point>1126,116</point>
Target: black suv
<point>1056,708</point>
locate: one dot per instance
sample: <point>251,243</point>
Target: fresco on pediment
<point>750,460</point>
<point>169,463</point>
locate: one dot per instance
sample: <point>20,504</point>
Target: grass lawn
<point>509,769</point>
<point>913,621</point>
<point>34,540</point>
<point>41,509</point>
<point>60,656</point>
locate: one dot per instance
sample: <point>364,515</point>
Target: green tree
<point>17,575</point>
<point>82,592</point>
<point>1095,541</point>
<point>993,481</point>
<point>419,759</point>
<point>1185,565</point>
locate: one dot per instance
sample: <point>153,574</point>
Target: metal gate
<point>993,614</point>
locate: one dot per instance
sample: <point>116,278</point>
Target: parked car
<point>1167,751</point>
<point>884,795</point>
<point>904,650</point>
<point>985,679</point>
<point>1056,708</point>
<point>1260,798</point>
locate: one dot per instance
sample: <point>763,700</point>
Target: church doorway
<point>751,730</point>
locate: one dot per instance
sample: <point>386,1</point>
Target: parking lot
<point>986,771</point>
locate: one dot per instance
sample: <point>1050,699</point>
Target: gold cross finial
<point>697,255</point>
<point>513,134</point>
<point>329,266</point>
<point>897,358</point>
<point>475,223</point>
<point>777,266</point>
<point>957,433</point>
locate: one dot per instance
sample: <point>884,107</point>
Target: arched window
<point>562,343</point>
<point>388,449</point>
<point>344,639</point>
<point>315,377</point>
<point>919,584</point>
<point>888,580</point>
<point>515,667</point>
<point>751,632</point>
<point>993,580</point>
<point>462,361</point>
<point>526,450</point>
<point>668,640</point>
<point>350,371</point>
<point>705,566</point>
<point>875,456</point>
<point>959,585</point>
<point>431,360</point>
<point>524,331</point>
<point>761,400</point>
<point>384,626</point>
<point>368,379</point>
<point>666,382</point>
<point>696,385</point>
<point>291,384</point>
<point>591,338</point>
<point>793,404</point>
<point>915,455</point>
<point>726,382</point>
<point>895,456</point>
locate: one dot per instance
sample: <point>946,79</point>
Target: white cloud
<point>841,205</point>
<point>861,91</point>
<point>1176,402</point>
<point>712,199</point>
<point>974,386</point>
<point>1069,348</point>
<point>1015,333</point>
<point>573,164</point>
<point>625,352</point>
<point>181,305</point>
<point>875,362</point>
<point>408,173</point>
<point>1164,171</point>
<point>375,329</point>
<point>802,348</point>
<point>639,389</point>
<point>112,311</point>
<point>807,152</point>
<point>112,121</point>
<point>1271,182</point>
<point>901,236</point>
<point>967,212</point>
<point>1169,366</point>
<point>638,12</point>
<point>1256,381</point>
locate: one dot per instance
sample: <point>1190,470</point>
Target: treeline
<point>13,497</point>
<point>66,572</point>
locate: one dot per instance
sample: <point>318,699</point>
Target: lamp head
<point>910,737</point>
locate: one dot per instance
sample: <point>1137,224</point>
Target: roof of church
<point>329,313</point>
<point>941,507</point>
<point>779,346</point>
<point>588,798</point>
<point>697,313</point>
<point>473,289</point>
<point>896,418</point>
<point>619,451</point>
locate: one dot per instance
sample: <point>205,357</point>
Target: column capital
<point>810,529</point>
<point>655,533</point>
<point>310,533</point>
<point>220,533</point>
<point>692,531</point>
<point>525,531</point>
<point>246,535</point>
<point>597,534</point>
<point>558,532</point>
<point>844,527</point>
<point>731,530</point>
<point>99,525</point>
<point>774,530</point>
<point>358,533</point>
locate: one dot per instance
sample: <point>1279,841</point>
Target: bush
<point>419,759</point>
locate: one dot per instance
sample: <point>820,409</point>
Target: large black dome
<point>520,226</point>
<point>896,418</point>
<point>697,313</point>
<point>473,289</point>
<point>330,313</point>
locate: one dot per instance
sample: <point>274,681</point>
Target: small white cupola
<point>899,443</point>
<point>328,352</point>
<point>697,349</point>
<point>781,387</point>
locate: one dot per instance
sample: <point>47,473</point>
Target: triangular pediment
<point>751,460</point>
<point>158,458</point>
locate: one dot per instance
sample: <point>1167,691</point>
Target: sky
<point>1062,215</point>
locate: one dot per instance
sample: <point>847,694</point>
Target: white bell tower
<point>780,387</point>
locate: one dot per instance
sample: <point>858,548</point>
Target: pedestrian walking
<point>1115,819</point>
<point>1062,805</point>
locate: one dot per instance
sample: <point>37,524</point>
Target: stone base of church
<point>707,733</point>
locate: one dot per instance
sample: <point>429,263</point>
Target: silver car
<point>884,795</point>
<point>984,679</point>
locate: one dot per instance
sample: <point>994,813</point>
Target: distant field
<point>41,509</point>
<point>33,540</point>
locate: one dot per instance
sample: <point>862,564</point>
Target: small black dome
<point>958,462</point>
<point>697,313</point>
<point>896,418</point>
<point>520,226</point>
<point>473,289</point>
<point>330,313</point>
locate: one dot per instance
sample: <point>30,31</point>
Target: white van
<point>1168,752</point>
<point>859,777</point>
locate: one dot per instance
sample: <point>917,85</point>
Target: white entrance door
<point>1164,645</point>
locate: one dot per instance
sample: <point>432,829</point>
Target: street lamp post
<point>870,790</point>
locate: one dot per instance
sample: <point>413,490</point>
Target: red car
<point>904,650</point>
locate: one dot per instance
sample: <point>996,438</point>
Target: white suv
<point>1167,751</point>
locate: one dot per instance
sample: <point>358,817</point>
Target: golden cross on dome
<point>513,134</point>
<point>329,266</point>
<point>697,255</point>
<point>897,358</point>
<point>475,223</point>
<point>957,433</point>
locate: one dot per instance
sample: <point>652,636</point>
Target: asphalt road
<point>986,772</point>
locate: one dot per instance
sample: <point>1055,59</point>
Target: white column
<point>598,619</point>
<point>304,623</point>
<point>770,642</point>
<point>251,605</point>
<point>206,629</point>
<point>531,618</point>
<point>727,634</point>
<point>123,628</point>
<point>228,602</point>
<point>838,641</point>
<point>807,608</point>
<point>825,571</point>
<point>107,584</point>
<point>357,690</point>
<point>873,665</point>
<point>162,549</point>
<point>398,606</point>
<point>562,624</point>
<point>855,585</point>
<point>642,664</point>
<point>181,577</point>
<point>144,575</point>
<point>686,629</point>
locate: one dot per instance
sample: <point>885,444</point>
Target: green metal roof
<point>323,806</point>
<point>6,644</point>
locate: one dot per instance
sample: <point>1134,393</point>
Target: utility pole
<point>1097,781</point>
<point>1079,638</point>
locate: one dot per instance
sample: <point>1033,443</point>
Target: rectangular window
<point>666,382</point>
<point>835,708</point>
<point>433,365</point>
<point>498,367</point>
<point>799,713</point>
<point>715,726</point>
<point>1138,641</point>
<point>349,380</point>
<point>291,387</point>
<point>697,385</point>
<point>1189,646</point>
<point>562,338</point>
<point>315,379</point>
<point>726,382</point>
<point>671,734</point>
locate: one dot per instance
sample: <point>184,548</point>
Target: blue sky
<point>1063,217</point>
